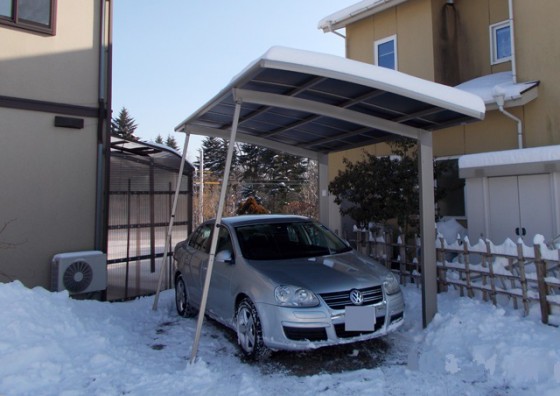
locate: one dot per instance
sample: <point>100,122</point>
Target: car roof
<point>262,218</point>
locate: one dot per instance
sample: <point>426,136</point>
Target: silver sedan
<point>286,282</point>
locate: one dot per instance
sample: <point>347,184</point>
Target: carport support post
<point>427,228</point>
<point>216,231</point>
<point>171,220</point>
<point>324,215</point>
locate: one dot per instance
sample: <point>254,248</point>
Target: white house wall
<point>497,206</point>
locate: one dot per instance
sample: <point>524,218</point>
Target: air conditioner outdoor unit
<point>79,272</point>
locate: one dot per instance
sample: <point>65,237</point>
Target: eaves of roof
<point>355,12</point>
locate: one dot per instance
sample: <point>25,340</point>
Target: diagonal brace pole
<point>171,221</point>
<point>215,232</point>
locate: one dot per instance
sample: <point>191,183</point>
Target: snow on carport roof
<point>305,102</point>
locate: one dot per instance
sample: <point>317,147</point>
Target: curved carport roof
<point>308,103</point>
<point>312,104</point>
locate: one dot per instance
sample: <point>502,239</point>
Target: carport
<point>312,104</point>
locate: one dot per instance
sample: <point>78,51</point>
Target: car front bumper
<point>289,328</point>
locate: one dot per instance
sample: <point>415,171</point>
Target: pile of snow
<point>451,230</point>
<point>51,344</point>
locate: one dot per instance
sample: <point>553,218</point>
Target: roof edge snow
<point>532,160</point>
<point>353,13</point>
<point>489,86</point>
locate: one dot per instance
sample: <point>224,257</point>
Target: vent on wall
<point>79,272</point>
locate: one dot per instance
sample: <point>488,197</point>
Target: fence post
<point>489,261</point>
<point>466,257</point>
<point>402,258</point>
<point>523,278</point>
<point>442,269</point>
<point>543,289</point>
<point>418,257</point>
<point>388,248</point>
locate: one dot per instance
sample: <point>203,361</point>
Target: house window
<point>385,51</point>
<point>35,15</point>
<point>500,42</point>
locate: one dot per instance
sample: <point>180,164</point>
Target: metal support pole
<point>216,232</point>
<point>427,228</point>
<point>171,220</point>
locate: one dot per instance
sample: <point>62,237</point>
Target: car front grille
<point>339,300</point>
<point>305,334</point>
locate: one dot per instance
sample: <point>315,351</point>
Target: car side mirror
<point>225,256</point>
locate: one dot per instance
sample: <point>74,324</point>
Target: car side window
<point>200,238</point>
<point>224,241</point>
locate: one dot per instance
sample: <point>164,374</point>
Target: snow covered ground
<point>51,344</point>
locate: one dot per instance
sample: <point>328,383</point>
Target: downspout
<point>103,125</point>
<point>512,43</point>
<point>499,96</point>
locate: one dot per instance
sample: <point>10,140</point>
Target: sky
<point>171,56</point>
<point>51,344</point>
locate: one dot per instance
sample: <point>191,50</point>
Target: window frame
<point>382,41</point>
<point>15,22</point>
<point>493,29</point>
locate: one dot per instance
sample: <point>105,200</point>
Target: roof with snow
<point>355,12</point>
<point>511,162</point>
<point>304,102</point>
<point>490,86</point>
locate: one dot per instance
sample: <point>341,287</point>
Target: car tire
<point>182,303</point>
<point>249,331</point>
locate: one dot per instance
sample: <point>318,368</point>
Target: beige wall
<point>48,193</point>
<point>48,177</point>
<point>61,68</point>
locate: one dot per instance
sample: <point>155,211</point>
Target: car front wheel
<point>249,330</point>
<point>184,308</point>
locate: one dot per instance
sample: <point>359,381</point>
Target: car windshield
<point>276,241</point>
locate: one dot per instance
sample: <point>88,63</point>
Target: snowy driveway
<point>53,345</point>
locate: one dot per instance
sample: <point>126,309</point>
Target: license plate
<point>360,318</point>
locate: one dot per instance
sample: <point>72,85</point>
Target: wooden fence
<point>511,272</point>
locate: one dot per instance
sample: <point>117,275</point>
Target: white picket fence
<point>510,272</point>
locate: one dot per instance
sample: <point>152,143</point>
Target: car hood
<point>324,274</point>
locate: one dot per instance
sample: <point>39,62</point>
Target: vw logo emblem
<point>356,297</point>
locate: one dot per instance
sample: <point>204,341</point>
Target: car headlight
<point>391,284</point>
<point>293,296</point>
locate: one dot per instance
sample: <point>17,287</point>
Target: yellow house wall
<point>537,33</point>
<point>411,23</point>
<point>537,58</point>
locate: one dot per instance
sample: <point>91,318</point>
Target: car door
<point>220,300</point>
<point>195,260</point>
